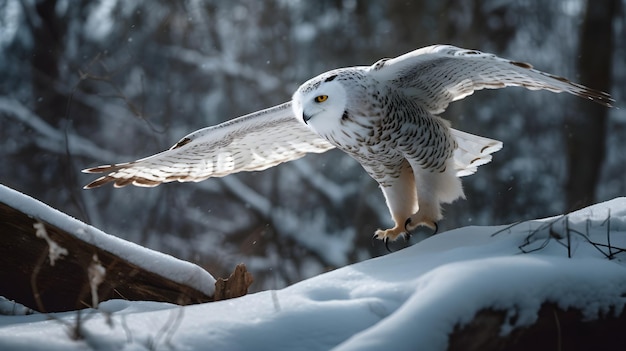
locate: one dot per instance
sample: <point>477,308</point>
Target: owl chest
<point>362,136</point>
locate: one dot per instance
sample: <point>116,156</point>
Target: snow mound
<point>412,297</point>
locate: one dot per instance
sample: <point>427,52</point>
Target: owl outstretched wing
<point>440,74</point>
<point>249,143</point>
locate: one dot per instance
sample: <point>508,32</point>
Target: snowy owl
<point>384,116</point>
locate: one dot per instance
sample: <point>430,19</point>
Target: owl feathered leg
<point>401,198</point>
<point>434,188</point>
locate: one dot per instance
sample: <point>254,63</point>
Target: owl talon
<point>388,235</point>
<point>406,225</point>
<point>432,225</point>
<point>386,240</point>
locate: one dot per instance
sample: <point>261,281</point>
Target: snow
<point>99,23</point>
<point>96,273</point>
<point>167,266</point>
<point>415,296</point>
<point>55,251</point>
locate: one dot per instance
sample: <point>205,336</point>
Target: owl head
<point>321,102</point>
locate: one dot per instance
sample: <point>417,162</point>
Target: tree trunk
<point>586,129</point>
<point>48,33</point>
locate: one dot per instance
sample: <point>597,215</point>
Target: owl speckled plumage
<point>384,116</point>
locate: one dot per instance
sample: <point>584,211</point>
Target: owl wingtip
<point>98,182</point>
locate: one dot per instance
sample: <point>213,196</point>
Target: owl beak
<point>306,117</point>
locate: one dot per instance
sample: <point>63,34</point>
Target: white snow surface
<point>407,300</point>
<point>165,265</point>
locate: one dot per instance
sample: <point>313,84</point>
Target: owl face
<point>320,103</point>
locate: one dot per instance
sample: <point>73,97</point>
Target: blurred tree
<point>48,31</point>
<point>45,62</point>
<point>586,129</point>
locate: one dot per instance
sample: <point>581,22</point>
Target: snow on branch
<point>55,251</point>
<point>249,196</point>
<point>332,247</point>
<point>332,191</point>
<point>51,138</point>
<point>226,65</point>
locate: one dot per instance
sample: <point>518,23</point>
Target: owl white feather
<point>384,115</point>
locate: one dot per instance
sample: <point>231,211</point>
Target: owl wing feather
<point>252,142</point>
<point>440,74</point>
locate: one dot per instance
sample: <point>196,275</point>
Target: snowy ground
<point>412,297</point>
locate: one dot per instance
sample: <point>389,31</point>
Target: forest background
<point>84,83</point>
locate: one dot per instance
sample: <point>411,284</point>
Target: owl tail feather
<point>472,151</point>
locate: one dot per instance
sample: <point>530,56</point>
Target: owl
<point>385,116</point>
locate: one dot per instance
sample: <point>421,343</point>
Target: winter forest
<point>85,83</point>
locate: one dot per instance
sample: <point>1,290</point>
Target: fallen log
<point>555,329</point>
<point>53,269</point>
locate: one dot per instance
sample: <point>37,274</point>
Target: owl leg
<point>433,189</point>
<point>401,199</point>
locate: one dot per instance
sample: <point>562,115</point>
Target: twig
<point>168,329</point>
<point>508,227</point>
<point>559,337</point>
<point>546,225</point>
<point>569,238</point>
<point>33,282</point>
<point>608,233</point>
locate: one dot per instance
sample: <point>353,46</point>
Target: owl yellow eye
<point>321,98</point>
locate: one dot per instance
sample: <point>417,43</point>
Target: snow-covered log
<point>51,262</point>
